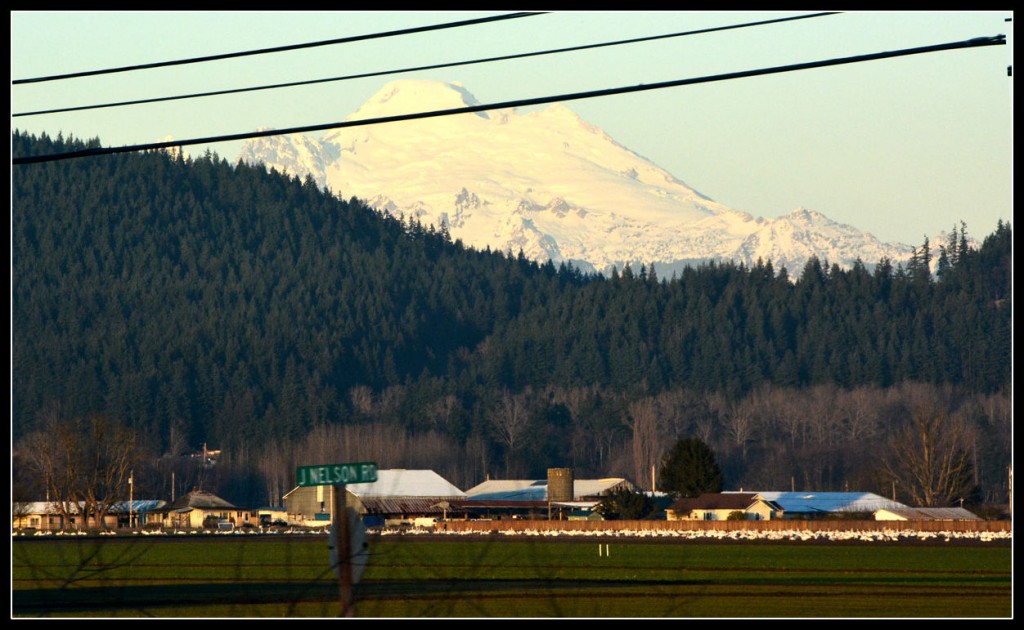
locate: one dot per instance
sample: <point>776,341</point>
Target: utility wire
<point>996,40</point>
<point>419,68</point>
<point>264,51</point>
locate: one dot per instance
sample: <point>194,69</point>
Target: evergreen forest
<point>199,302</point>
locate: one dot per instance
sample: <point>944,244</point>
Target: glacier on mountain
<point>547,183</point>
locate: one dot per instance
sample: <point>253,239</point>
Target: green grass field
<point>499,577</point>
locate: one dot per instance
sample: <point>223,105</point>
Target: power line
<point>420,68</point>
<point>264,51</point>
<point>996,40</point>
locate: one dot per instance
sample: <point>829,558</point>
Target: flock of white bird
<point>739,535</point>
<point>884,535</point>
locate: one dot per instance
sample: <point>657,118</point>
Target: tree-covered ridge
<point>199,301</point>
<point>160,288</point>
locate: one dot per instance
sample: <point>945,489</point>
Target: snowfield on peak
<point>545,182</point>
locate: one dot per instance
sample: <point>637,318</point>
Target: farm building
<point>138,513</point>
<point>398,496</point>
<point>271,515</point>
<point>926,514</point>
<point>812,505</point>
<point>529,498</point>
<point>199,509</point>
<point>717,506</point>
<point>46,516</point>
<point>43,516</point>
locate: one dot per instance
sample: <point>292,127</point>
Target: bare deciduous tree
<point>740,421</point>
<point>277,473</point>
<point>361,397</point>
<point>440,412</point>
<point>84,464</point>
<point>643,422</point>
<point>51,454</point>
<point>929,458</point>
<point>111,453</point>
<point>511,422</point>
<point>860,407</point>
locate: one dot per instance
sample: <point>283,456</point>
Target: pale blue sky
<point>902,148</point>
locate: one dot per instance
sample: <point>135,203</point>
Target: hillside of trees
<point>200,302</point>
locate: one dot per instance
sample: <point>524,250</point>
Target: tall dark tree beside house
<point>689,469</point>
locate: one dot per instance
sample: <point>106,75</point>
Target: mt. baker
<point>546,183</point>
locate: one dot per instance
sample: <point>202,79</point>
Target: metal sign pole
<point>342,529</point>
<point>344,552</point>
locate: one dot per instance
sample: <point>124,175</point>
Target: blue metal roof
<point>137,506</point>
<point>828,502</point>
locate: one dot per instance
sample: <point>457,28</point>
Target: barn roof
<point>202,500</point>
<point>716,501</point>
<point>137,506</point>
<point>121,507</point>
<point>934,514</point>
<point>537,490</point>
<point>509,490</point>
<point>827,502</point>
<point>42,507</point>
<point>405,505</point>
<point>406,483</point>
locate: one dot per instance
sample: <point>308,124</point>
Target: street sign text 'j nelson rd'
<point>333,474</point>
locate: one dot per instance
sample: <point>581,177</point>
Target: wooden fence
<point>764,526</point>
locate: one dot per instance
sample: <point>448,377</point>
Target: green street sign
<point>333,474</point>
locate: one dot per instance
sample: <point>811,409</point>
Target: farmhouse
<point>723,506</point>
<point>925,514</point>
<point>398,496</point>
<point>40,515</point>
<point>815,505</point>
<point>199,509</point>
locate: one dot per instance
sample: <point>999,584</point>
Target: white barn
<point>398,496</point>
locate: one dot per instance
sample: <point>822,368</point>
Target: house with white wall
<point>192,510</point>
<point>718,506</point>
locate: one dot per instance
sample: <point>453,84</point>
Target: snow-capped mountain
<point>547,183</point>
<point>295,155</point>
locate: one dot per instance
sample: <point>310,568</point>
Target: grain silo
<point>560,484</point>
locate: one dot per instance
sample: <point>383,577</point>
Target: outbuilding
<point>817,505</point>
<point>398,497</point>
<point>926,514</point>
<point>536,498</point>
<point>46,515</point>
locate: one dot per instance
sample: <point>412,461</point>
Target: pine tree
<point>689,469</point>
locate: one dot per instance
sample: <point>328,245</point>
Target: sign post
<point>339,523</point>
<point>337,476</point>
